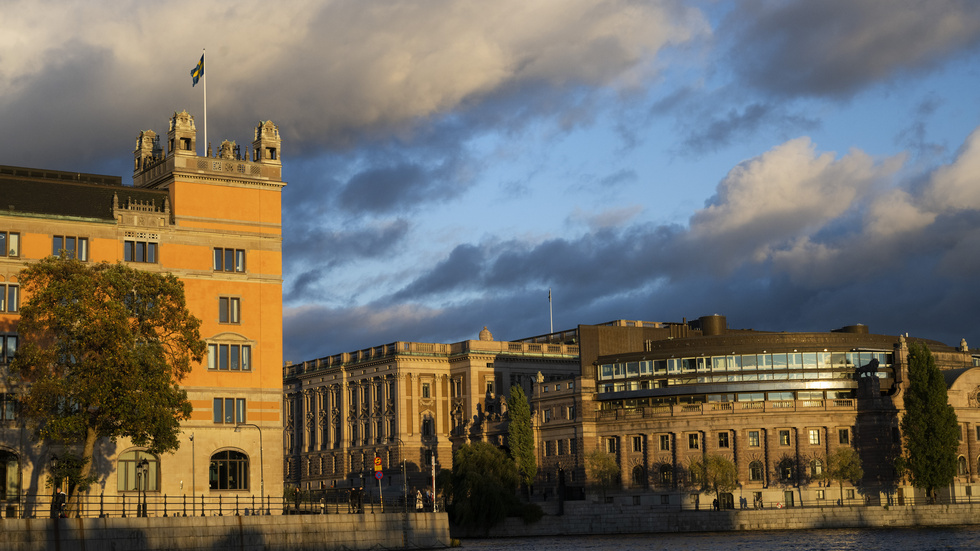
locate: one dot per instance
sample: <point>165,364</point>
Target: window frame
<point>785,437</point>
<point>723,440</point>
<point>230,310</point>
<point>79,246</point>
<point>225,356</point>
<point>10,294</point>
<point>221,415</point>
<point>814,436</point>
<point>149,254</point>
<point>693,441</point>
<point>235,462</point>
<point>844,437</point>
<point>6,238</point>
<point>665,442</point>
<point>754,439</point>
<point>222,257</point>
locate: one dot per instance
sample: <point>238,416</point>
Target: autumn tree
<point>716,474</point>
<point>103,349</point>
<point>929,424</point>
<point>520,439</point>
<point>844,464</point>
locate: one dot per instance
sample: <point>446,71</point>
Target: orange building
<point>215,222</point>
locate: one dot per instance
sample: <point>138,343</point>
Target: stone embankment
<point>350,532</point>
<point>592,518</point>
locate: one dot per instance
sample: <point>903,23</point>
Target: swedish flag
<point>198,71</point>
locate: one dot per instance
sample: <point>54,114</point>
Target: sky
<point>792,165</point>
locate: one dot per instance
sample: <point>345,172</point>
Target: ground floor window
<point>228,471</point>
<point>130,472</point>
<point>9,476</point>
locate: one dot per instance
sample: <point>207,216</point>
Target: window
<point>665,442</point>
<point>961,466</point>
<point>562,447</point>
<point>490,387</point>
<point>784,438</point>
<point>425,390</point>
<point>8,407</point>
<point>127,478</point>
<point>821,495</point>
<point>755,471</point>
<point>639,478</point>
<point>666,474</point>
<point>8,346</point>
<point>9,297</point>
<point>9,244</point>
<point>229,310</point>
<point>9,476</point>
<point>814,437</point>
<point>230,357</point>
<point>816,468</point>
<point>229,260</point>
<point>637,443</point>
<point>611,444</point>
<point>786,470</point>
<point>547,415</point>
<point>754,438</point>
<point>570,412</point>
<point>228,471</point>
<point>428,427</point>
<point>229,411</point>
<point>549,448</point>
<point>722,439</point>
<point>849,493</point>
<point>692,441</point>
<point>844,436</point>
<point>74,247</point>
<point>140,251</point>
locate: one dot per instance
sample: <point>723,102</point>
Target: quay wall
<point>591,518</point>
<point>350,532</point>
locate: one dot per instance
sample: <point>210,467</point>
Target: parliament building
<point>215,223</point>
<point>657,397</point>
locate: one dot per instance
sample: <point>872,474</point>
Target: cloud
<point>836,48</point>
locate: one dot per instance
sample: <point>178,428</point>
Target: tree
<point>483,485</point>
<point>603,470</point>
<point>716,474</point>
<point>929,424</point>
<point>519,436</point>
<point>103,349</point>
<point>843,464</point>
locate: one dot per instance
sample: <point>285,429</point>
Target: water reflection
<point>902,539</point>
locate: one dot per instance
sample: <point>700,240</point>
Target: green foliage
<point>929,424</point>
<point>602,469</point>
<point>844,464</point>
<point>70,467</point>
<point>484,482</point>
<point>530,512</point>
<point>103,350</point>
<point>715,473</point>
<point>519,435</point>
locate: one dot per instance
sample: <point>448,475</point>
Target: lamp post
<point>238,428</point>
<point>142,474</point>
<point>193,480</point>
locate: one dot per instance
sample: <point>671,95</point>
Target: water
<point>898,539</point>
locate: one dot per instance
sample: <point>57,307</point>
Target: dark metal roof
<point>69,194</point>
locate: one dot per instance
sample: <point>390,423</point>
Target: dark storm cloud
<point>794,239</point>
<point>836,48</point>
<point>716,132</point>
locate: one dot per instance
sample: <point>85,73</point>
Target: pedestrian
<point>60,499</point>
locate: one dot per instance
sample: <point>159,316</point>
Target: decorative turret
<point>265,148</point>
<point>147,151</point>
<point>182,136</point>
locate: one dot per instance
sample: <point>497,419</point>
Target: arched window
<point>666,474</point>
<point>755,471</point>
<point>639,476</point>
<point>9,476</point>
<point>961,469</point>
<point>229,471</point>
<point>816,468</point>
<point>126,471</point>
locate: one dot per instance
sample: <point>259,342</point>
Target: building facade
<point>660,397</point>
<point>215,223</point>
<point>409,404</point>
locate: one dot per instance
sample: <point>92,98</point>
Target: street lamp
<point>238,428</point>
<point>142,477</point>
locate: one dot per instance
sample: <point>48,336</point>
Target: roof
<point>67,194</point>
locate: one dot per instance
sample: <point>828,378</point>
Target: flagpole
<point>551,312</point>
<point>205,77</point>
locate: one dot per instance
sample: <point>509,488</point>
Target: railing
<point>326,501</point>
<point>721,408</point>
